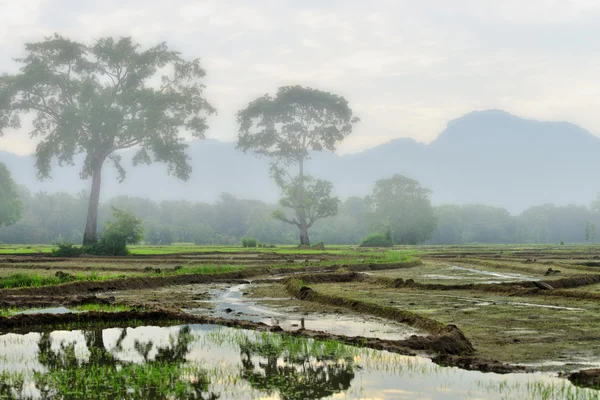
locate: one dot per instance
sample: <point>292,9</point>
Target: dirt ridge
<point>153,282</point>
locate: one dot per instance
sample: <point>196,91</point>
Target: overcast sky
<point>406,67</point>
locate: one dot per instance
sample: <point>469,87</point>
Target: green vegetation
<point>287,128</point>
<point>402,207</point>
<point>103,307</point>
<point>98,99</point>
<point>249,242</point>
<point>124,230</point>
<point>11,206</point>
<point>377,240</point>
<point>35,279</point>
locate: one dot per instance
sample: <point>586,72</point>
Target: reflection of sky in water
<point>377,375</point>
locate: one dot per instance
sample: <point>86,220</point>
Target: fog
<point>480,103</point>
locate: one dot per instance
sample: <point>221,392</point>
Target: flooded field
<point>432,323</point>
<point>210,362</point>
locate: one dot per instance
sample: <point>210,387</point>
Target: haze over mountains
<point>489,157</point>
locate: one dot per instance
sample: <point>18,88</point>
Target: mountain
<point>489,157</point>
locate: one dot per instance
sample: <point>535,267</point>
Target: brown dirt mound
<point>392,313</point>
<point>51,301</point>
<point>589,378</point>
<point>450,340</point>
<point>477,364</point>
<point>153,282</point>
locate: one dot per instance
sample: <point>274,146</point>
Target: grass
<point>35,279</point>
<point>104,307</point>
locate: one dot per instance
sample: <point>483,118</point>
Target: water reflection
<point>208,362</point>
<point>294,373</point>
<point>70,374</point>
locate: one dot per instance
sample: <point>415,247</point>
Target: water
<point>210,362</point>
<point>232,304</point>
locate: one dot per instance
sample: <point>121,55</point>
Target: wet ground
<point>521,307</point>
<point>234,302</point>
<point>211,362</point>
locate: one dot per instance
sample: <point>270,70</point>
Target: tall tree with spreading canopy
<point>11,206</point>
<point>402,205</point>
<point>99,99</point>
<point>287,128</point>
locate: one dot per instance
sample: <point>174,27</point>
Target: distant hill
<point>489,157</point>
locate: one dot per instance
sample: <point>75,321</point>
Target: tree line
<point>48,218</point>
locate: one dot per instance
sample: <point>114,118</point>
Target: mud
<point>153,282</point>
<point>395,314</point>
<point>589,378</point>
<point>478,364</point>
<point>51,301</point>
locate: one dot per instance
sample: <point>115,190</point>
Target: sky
<point>406,67</point>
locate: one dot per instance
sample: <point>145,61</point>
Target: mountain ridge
<point>490,157</point>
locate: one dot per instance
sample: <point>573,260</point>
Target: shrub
<point>249,242</point>
<point>65,249</point>
<point>124,230</point>
<point>377,240</point>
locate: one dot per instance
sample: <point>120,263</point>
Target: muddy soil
<point>152,282</point>
<point>52,301</point>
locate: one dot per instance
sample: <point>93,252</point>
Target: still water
<point>210,362</point>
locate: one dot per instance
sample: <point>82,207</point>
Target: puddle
<point>51,310</point>
<point>504,276</point>
<point>233,304</point>
<point>209,362</point>
<point>480,302</point>
<point>437,276</point>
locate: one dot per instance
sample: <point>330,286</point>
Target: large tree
<point>99,99</point>
<point>401,205</point>
<point>11,206</point>
<point>286,128</point>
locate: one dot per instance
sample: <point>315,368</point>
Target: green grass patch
<point>104,307</point>
<point>20,280</point>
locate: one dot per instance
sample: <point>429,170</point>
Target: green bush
<point>65,249</point>
<point>377,240</point>
<point>249,242</point>
<point>125,229</point>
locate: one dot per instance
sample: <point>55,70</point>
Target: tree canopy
<point>10,204</point>
<point>317,201</point>
<point>286,128</point>
<point>99,99</point>
<point>401,205</point>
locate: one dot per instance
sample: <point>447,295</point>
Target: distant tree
<point>317,201</point>
<point>11,206</point>
<point>99,99</point>
<point>401,205</point>
<point>595,205</point>
<point>287,128</point>
<point>590,232</point>
<point>450,228</point>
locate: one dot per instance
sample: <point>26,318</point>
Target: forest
<point>51,217</point>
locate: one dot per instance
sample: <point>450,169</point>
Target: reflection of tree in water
<point>294,371</point>
<point>103,374</point>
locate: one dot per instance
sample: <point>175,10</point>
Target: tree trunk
<point>90,235</point>
<point>300,211</point>
<point>304,240</point>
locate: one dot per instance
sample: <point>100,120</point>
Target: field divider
<point>243,275</point>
